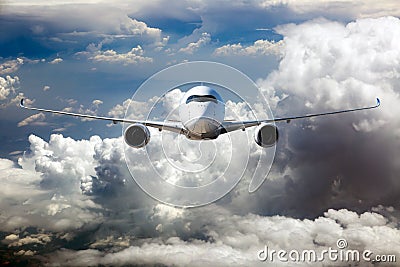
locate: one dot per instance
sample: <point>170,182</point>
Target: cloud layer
<point>68,185</point>
<point>236,240</point>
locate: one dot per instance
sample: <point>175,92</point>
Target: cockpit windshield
<point>201,98</point>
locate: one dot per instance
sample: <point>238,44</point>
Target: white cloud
<point>35,119</point>
<point>366,125</point>
<point>46,88</point>
<point>92,109</point>
<point>204,39</point>
<point>138,28</point>
<point>58,130</point>
<point>11,237</point>
<point>56,61</point>
<point>134,56</point>
<point>111,241</point>
<point>10,66</point>
<point>138,110</point>
<point>49,184</point>
<point>167,212</point>
<point>17,99</point>
<point>331,66</point>
<point>7,86</point>
<point>97,102</point>
<point>8,92</point>
<point>35,238</point>
<point>260,47</point>
<point>56,161</point>
<point>119,110</point>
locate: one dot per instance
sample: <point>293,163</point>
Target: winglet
<point>21,104</point>
<point>378,102</point>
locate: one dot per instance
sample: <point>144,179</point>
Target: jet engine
<point>137,135</point>
<point>266,135</point>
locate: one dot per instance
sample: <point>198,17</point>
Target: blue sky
<point>68,194</point>
<point>59,43</point>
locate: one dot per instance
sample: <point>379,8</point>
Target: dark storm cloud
<point>341,161</point>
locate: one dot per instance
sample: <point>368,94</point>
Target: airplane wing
<point>236,125</point>
<point>173,126</point>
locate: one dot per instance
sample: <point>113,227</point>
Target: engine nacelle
<point>137,135</point>
<point>266,135</point>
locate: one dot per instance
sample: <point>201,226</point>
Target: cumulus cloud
<point>119,110</point>
<point>139,28</point>
<point>7,86</point>
<point>35,238</point>
<point>366,125</point>
<point>339,160</point>
<point>43,153</point>
<point>204,39</point>
<point>260,47</point>
<point>10,66</point>
<point>97,102</point>
<point>35,119</point>
<point>56,61</point>
<point>9,94</point>
<point>134,56</point>
<point>65,185</point>
<point>49,182</point>
<point>332,66</point>
<point>20,186</point>
<point>138,110</point>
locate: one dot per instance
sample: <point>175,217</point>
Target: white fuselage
<point>202,112</point>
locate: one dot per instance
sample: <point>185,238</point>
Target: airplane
<point>202,117</point>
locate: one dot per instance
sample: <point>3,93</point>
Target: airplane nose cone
<point>202,125</point>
